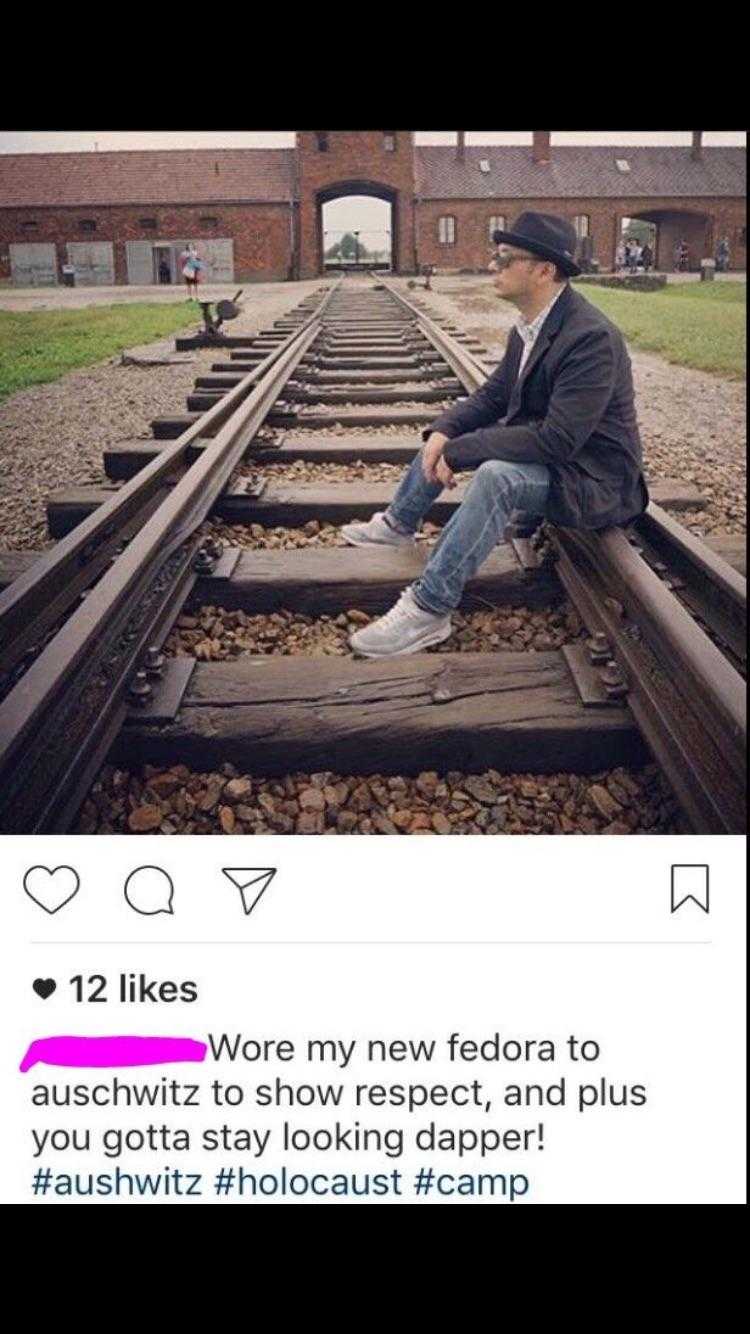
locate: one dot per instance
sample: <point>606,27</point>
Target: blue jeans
<point>495,491</point>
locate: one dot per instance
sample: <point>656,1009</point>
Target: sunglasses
<point>504,261</point>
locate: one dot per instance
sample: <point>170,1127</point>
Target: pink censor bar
<point>101,1052</point>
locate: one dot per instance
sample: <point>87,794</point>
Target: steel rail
<point>701,558</point>
<point>57,723</point>
<point>712,677</point>
<point>687,697</point>
<point>712,590</point>
<point>469,369</point>
<point>38,598</point>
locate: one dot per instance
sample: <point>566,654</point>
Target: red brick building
<point>256,214</point>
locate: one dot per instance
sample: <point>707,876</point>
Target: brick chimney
<point>696,151</point>
<point>460,144</point>
<point>541,149</point>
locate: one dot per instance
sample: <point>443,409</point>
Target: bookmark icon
<point>690,883</point>
<point>251,881</point>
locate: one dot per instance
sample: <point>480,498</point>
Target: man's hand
<point>444,474</point>
<point>431,455</point>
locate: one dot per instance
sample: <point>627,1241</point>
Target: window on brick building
<point>30,225</point>
<point>447,230</point>
<point>389,141</point>
<point>322,138</point>
<point>496,224</point>
<point>148,224</point>
<point>86,225</point>
<point>581,223</point>
<point>743,235</point>
<point>209,222</point>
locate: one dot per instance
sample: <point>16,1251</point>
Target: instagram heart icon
<point>51,890</point>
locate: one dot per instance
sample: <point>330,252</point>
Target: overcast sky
<point>67,141</point>
<point>368,215</point>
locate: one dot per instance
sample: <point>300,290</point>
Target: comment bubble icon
<point>150,891</point>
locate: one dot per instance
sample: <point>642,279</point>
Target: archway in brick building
<point>673,226</point>
<point>357,233</point>
<point>381,240</point>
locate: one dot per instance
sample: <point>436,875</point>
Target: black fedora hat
<point>544,235</point>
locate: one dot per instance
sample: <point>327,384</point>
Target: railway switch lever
<point>225,310</point>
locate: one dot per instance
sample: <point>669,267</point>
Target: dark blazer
<point>572,410</point>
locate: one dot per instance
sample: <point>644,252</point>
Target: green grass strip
<point>689,324</point>
<point>38,346</point>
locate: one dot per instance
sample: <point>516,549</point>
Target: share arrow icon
<point>251,881</point>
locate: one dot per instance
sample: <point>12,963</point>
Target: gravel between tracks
<point>213,634</point>
<point>254,537</point>
<point>177,801</point>
<point>342,409</point>
<point>361,470</point>
<point>53,435</point>
<point>402,385</point>
<point>300,436</point>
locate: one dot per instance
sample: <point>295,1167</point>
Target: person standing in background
<point>191,266</point>
<point>722,255</point>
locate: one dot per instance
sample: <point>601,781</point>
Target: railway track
<point>83,628</point>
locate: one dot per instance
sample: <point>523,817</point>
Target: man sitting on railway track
<point>552,432</point>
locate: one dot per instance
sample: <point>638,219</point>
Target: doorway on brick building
<point>355,227</point>
<point>671,227</point>
<point>645,233</point>
<point>165,259</point>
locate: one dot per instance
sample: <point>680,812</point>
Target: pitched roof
<point>174,176</point>
<point>577,172</point>
<point>208,175</point>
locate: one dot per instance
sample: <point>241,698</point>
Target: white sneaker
<point>406,628</point>
<point>376,532</point>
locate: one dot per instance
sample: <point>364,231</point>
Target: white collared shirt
<point>530,332</point>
